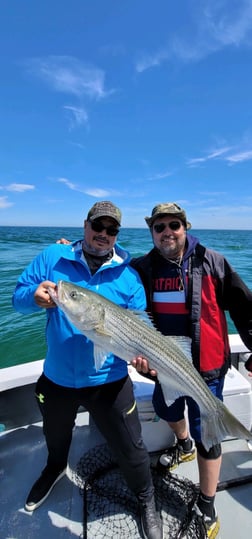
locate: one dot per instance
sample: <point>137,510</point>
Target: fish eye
<point>73,294</point>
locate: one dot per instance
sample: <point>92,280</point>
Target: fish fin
<point>102,331</point>
<point>101,328</point>
<point>144,316</point>
<point>171,393</point>
<point>184,342</point>
<point>221,424</point>
<point>100,356</point>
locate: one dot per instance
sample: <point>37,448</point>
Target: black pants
<point>113,409</point>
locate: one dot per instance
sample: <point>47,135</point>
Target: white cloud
<point>219,152</point>
<point>4,203</point>
<point>97,193</point>
<point>213,154</point>
<point>69,75</point>
<point>196,160</point>
<point>227,153</point>
<point>146,61</point>
<point>159,176</point>
<point>20,187</point>
<point>228,24</point>
<point>78,116</point>
<point>68,184</point>
<point>78,145</point>
<point>240,157</point>
<point>213,26</point>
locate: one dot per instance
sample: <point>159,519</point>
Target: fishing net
<point>110,510</point>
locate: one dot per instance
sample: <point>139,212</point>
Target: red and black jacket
<point>212,287</point>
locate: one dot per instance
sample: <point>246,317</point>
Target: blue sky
<point>135,101</point>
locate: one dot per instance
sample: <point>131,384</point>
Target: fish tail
<point>215,427</point>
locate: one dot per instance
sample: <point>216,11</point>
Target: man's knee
<point>213,454</point>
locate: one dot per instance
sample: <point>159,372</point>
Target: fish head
<point>81,306</point>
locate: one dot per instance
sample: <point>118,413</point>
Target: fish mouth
<point>53,292</point>
<point>58,294</point>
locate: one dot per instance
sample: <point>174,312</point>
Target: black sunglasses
<point>97,226</point>
<point>173,225</point>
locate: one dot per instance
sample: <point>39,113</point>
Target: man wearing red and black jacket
<point>189,288</point>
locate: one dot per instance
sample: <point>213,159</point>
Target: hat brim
<point>150,220</point>
<point>94,217</point>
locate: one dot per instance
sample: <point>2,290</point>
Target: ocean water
<point>22,336</point>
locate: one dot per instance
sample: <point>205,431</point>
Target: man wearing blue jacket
<point>69,376</point>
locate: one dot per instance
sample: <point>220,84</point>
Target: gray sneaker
<point>174,456</point>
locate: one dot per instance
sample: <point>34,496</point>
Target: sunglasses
<point>99,227</point>
<point>173,225</point>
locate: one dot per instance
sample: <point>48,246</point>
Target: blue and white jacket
<point>69,359</point>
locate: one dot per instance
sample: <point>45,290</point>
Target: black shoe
<point>176,454</point>
<point>212,525</point>
<point>42,488</point>
<point>150,521</point>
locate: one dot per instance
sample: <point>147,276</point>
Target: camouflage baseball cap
<point>104,209</point>
<point>168,208</point>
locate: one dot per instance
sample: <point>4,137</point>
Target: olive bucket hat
<point>168,208</point>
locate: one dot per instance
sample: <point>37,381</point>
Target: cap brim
<point>94,217</point>
<point>150,220</point>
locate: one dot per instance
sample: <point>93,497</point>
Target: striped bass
<point>128,334</point>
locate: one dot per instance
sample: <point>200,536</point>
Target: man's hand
<point>142,366</point>
<point>42,296</point>
<point>63,241</point>
<point>248,365</point>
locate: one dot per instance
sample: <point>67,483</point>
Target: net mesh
<point>110,509</point>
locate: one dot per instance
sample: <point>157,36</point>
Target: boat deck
<point>23,455</point>
<point>61,516</point>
